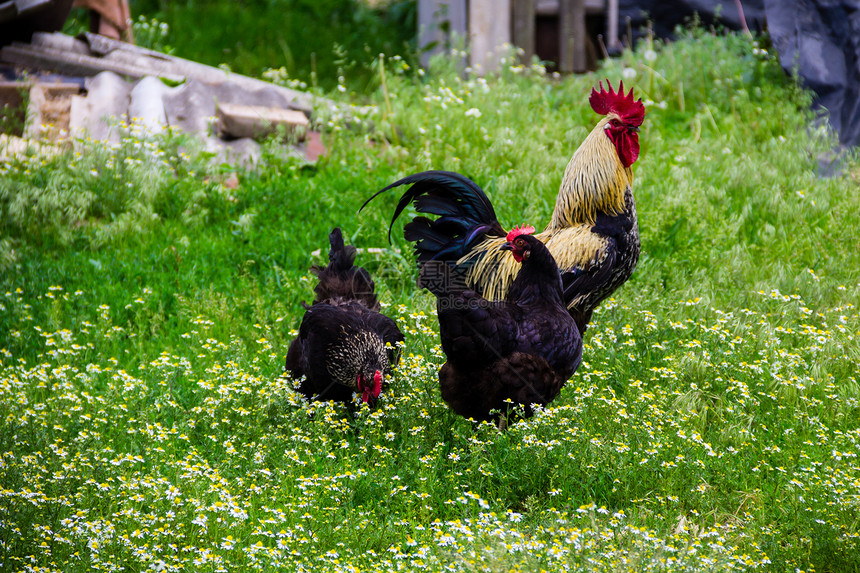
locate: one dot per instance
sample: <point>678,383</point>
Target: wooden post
<point>612,42</point>
<point>489,29</point>
<point>572,41</point>
<point>524,28</point>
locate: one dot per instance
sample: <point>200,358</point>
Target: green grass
<point>145,310</point>
<point>312,41</point>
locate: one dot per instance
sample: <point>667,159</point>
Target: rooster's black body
<point>341,346</point>
<point>519,350</point>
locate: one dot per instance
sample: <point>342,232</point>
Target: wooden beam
<point>489,30</point>
<point>612,42</point>
<point>572,41</point>
<point>524,28</point>
<point>74,64</point>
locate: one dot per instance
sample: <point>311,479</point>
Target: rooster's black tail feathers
<point>340,281</point>
<point>465,215</point>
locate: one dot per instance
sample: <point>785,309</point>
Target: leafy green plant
<point>13,116</point>
<point>298,35</point>
<point>151,33</point>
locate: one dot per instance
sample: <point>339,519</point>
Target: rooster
<point>521,350</point>
<point>345,345</point>
<point>593,233</point>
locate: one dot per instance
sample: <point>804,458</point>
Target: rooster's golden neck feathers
<point>595,181</point>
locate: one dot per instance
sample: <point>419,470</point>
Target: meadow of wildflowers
<point>145,310</point>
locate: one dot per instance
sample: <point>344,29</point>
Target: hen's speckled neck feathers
<point>354,353</point>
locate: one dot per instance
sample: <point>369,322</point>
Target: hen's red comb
<point>517,231</point>
<point>604,102</point>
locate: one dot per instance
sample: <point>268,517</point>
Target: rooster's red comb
<point>604,102</point>
<point>517,231</point>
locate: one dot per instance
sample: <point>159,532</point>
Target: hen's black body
<point>341,342</point>
<point>522,349</point>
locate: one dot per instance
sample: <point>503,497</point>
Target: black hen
<point>341,347</point>
<point>519,350</point>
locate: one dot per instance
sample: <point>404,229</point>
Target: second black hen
<point>520,350</point>
<point>341,346</point>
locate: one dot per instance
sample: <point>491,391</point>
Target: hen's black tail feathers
<point>466,215</point>
<point>340,281</point>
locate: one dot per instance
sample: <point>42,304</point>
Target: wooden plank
<point>573,40</point>
<point>61,42</point>
<point>59,89</point>
<point>72,64</point>
<point>565,36</point>
<point>12,93</point>
<point>612,42</point>
<point>524,27</point>
<point>489,31</point>
<point>239,121</point>
<point>579,38</point>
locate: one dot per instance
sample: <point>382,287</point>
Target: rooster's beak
<point>507,247</point>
